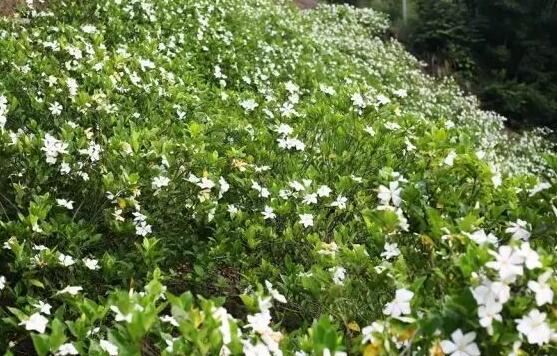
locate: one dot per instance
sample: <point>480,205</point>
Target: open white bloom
<point>53,147</point>
<point>43,307</point>
<point>391,250</point>
<point>358,100</point>
<point>327,89</point>
<point>268,213</point>
<point>392,193</point>
<point>481,238</point>
<point>221,314</point>
<point>68,204</point>
<point>323,191</point>
<point>67,349</point>
<point>36,322</point>
<point>2,282</point>
<point>400,305</point>
<point>275,293</point>
<point>71,290</point>
<point>55,108</point>
<point>206,183</point>
<point>368,331</point>
<point>310,199</point>
<point>3,111</point>
<point>449,160</point>
<point>121,316</point>
<point>534,327</point>
<point>169,319</point>
<point>297,186</point>
<point>461,344</point>
<point>66,260</point>
<point>340,202</point>
<point>109,347</point>
<point>531,257</point>
<point>519,230</point>
<point>489,312</point>
<point>491,292</point>
<point>508,263</point>
<point>249,105</point>
<point>339,275</point>
<point>91,263</point>
<point>544,293</point>
<point>306,220</point>
<point>159,182</point>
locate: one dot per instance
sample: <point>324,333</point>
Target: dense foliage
<point>204,177</point>
<point>505,51</point>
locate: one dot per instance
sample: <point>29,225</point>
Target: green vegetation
<point>504,51</point>
<point>200,177</point>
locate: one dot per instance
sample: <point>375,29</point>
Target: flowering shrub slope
<point>239,177</point>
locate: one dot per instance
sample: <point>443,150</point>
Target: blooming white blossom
<point>68,204</point>
<point>36,322</point>
<point>491,292</point>
<point>306,220</point>
<point>391,250</point>
<point>449,160</point>
<point>109,347</point>
<point>327,89</point>
<point>508,262</point>
<point>531,257</point>
<point>71,290</point>
<point>460,344</point>
<point>55,108</point>
<point>91,263</point>
<point>3,111</point>
<point>519,230</point>
<point>358,100</point>
<point>53,147</point>
<point>368,331</point>
<point>121,316</point>
<point>2,282</point>
<point>66,260</point>
<point>544,293</point>
<point>275,293</point>
<point>268,213</point>
<point>249,105</point>
<point>481,238</point>
<point>535,327</point>
<point>392,193</point>
<point>400,305</point>
<point>67,349</point>
<point>310,199</point>
<point>43,307</point>
<point>340,202</point>
<point>323,191</point>
<point>489,312</point>
<point>160,182</point>
<point>339,274</point>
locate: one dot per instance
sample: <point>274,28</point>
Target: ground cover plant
<point>240,177</point>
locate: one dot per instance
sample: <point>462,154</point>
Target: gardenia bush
<point>226,177</point>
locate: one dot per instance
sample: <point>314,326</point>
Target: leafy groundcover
<point>226,177</point>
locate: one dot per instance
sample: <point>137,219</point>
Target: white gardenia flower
<point>71,290</point>
<point>340,202</point>
<point>449,160</point>
<point>2,282</point>
<point>339,275</point>
<point>268,213</point>
<point>121,316</point>
<point>91,263</point>
<point>67,349</point>
<point>324,191</point>
<point>460,344</point>
<point>306,220</point>
<point>544,293</point>
<point>169,319</point>
<point>531,257</point>
<point>43,307</point>
<point>489,312</point>
<point>249,105</point>
<point>327,89</point>
<point>392,193</point>
<point>36,322</point>
<point>535,327</point>
<point>66,260</point>
<point>275,293</point>
<point>310,199</point>
<point>369,130</point>
<point>160,182</point>
<point>400,305</point>
<point>491,292</point>
<point>285,130</point>
<point>481,238</point>
<point>68,204</point>
<point>206,183</point>
<point>297,186</point>
<point>358,100</point>
<point>55,108</point>
<point>368,331</point>
<point>518,230</point>
<point>508,263</point>
<point>391,250</point>
<point>109,347</point>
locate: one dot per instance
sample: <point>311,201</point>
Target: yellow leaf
<point>121,203</point>
<point>353,326</point>
<point>372,350</point>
